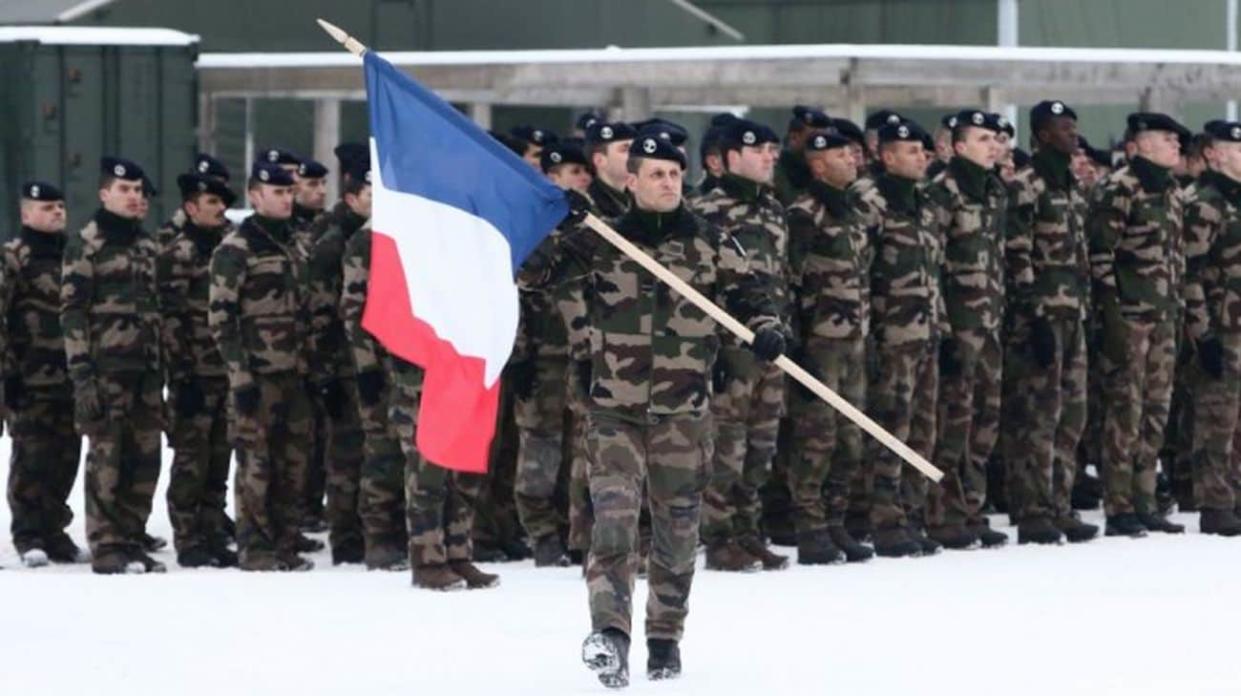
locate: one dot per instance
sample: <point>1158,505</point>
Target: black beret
<point>975,118</point>
<point>810,116</point>
<point>1147,121</point>
<point>1047,110</point>
<point>881,118</point>
<point>1000,124</point>
<point>536,136</point>
<point>41,191</point>
<point>269,173</point>
<point>148,187</point>
<point>275,155</point>
<point>359,170</point>
<point>907,131</point>
<point>1020,158</point>
<point>820,141</point>
<point>193,183</point>
<point>348,153</point>
<point>723,119</point>
<point>557,154</point>
<point>744,132</point>
<point>651,146</point>
<point>588,119</point>
<point>121,168</point>
<point>850,130</point>
<point>1228,131</point>
<point>661,128</point>
<point>604,132</point>
<point>310,169</point>
<point>514,145</point>
<point>209,166</point>
<point>948,121</point>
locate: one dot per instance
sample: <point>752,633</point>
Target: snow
<point>1116,616</point>
<point>101,36</point>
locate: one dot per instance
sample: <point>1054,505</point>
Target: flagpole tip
<point>353,45</point>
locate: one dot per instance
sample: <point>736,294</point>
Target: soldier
<point>607,145</point>
<point>749,395</point>
<point>197,422</point>
<point>1045,358</point>
<point>309,202</point>
<point>875,121</point>
<point>651,420</point>
<point>1212,239</point>
<point>533,141</point>
<point>711,154</point>
<point>110,318</point>
<point>829,269</point>
<point>969,205</point>
<point>259,320</point>
<point>204,165</point>
<point>906,307</point>
<point>943,145</point>
<point>38,396</point>
<point>1136,263</point>
<point>792,176</point>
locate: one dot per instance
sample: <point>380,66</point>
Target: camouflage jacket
<point>258,305</point>
<point>330,355</point>
<point>830,259</point>
<point>792,176</point>
<point>906,303</point>
<point>1048,270</point>
<point>1135,227</point>
<point>652,351</point>
<point>365,352</point>
<point>1213,256</point>
<point>969,204</point>
<point>34,347</point>
<point>171,228</point>
<point>109,300</point>
<point>608,201</point>
<point>749,213</point>
<point>306,225</point>
<point>184,289</point>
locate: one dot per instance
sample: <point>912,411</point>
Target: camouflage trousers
<point>381,502</point>
<point>672,455</point>
<point>968,422</point>
<point>829,445</point>
<point>273,450</point>
<point>198,480</point>
<point>122,462</point>
<point>1217,439</point>
<point>1136,396</point>
<point>496,523</point>
<point>315,486</point>
<point>902,399</point>
<point>747,421</point>
<point>1044,416</point>
<point>439,502</point>
<point>344,457</point>
<point>581,513</point>
<point>540,418</point>
<point>42,469</point>
<point>1178,450</point>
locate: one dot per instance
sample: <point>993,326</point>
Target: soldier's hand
<point>1115,345</point>
<point>1211,356</point>
<point>949,357</point>
<point>585,373</point>
<point>246,400</point>
<point>768,344</point>
<point>88,412</point>
<point>719,376</point>
<point>332,396</point>
<point>190,400</point>
<point>523,375</point>
<point>371,387</point>
<point>579,207</point>
<point>1042,342</point>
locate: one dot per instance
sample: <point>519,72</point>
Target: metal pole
<point>1230,39</point>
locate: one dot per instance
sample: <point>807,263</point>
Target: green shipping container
<point>73,94</point>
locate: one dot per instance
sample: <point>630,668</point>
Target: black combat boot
<point>854,552</point>
<point>1125,524</point>
<point>225,557</point>
<point>895,542</point>
<point>61,549</point>
<point>1087,492</point>
<point>930,547</point>
<point>606,653</point>
<point>387,556</point>
<point>196,557</point>
<point>1221,522</point>
<point>988,537</point>
<point>859,526</point>
<point>1038,530</point>
<point>149,565</point>
<point>153,543</point>
<point>816,548</point>
<point>307,545</point>
<point>348,552</point>
<point>953,536</point>
<point>1075,530</point>
<point>663,659</point>
<point>549,552</point>
<point>1156,522</point>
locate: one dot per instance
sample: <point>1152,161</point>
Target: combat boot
<point>61,549</point>
<point>260,562</point>
<point>195,557</point>
<point>348,552</point>
<point>516,549</point>
<point>34,558</point>
<point>1156,522</point>
<point>858,525</point>
<point>1221,522</point>
<point>1087,492</point>
<point>988,537</point>
<point>731,558</point>
<point>1038,530</point>
<point>930,547</point>
<point>816,548</point>
<point>293,563</point>
<point>1075,530</point>
<point>663,659</point>
<point>153,543</point>
<point>770,559</point>
<point>116,563</point>
<point>225,557</point>
<point>149,565</point>
<point>953,536</point>
<point>1125,524</point>
<point>475,579</point>
<point>549,552</point>
<point>307,545</point>
<point>894,542</point>
<point>606,653</point>
<point>387,557</point>
<point>854,552</point>
<point>1164,499</point>
<point>437,577</point>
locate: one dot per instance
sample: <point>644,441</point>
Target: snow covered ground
<point>1156,616</point>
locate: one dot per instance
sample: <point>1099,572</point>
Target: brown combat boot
<point>437,577</point>
<point>770,559</point>
<point>475,579</point>
<point>731,558</point>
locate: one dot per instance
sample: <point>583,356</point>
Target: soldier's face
<point>570,176</point>
<point>532,154</point>
<point>1080,163</point>
<point>657,185</point>
<point>904,158</point>
<point>859,157</point>
<point>979,146</point>
<point>275,202</point>
<point>943,144</point>
<point>834,167</point>
<point>124,198</point>
<point>312,193</point>
<point>714,164</point>
<point>207,210</point>
<point>1161,147</point>
<point>1060,134</point>
<point>754,162</point>
<point>360,202</point>
<point>611,161</point>
<point>44,216</point>
<point>1227,158</point>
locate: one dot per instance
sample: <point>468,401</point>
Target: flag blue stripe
<point>428,148</point>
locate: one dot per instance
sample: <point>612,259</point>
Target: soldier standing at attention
<point>204,165</point>
<point>38,396</point>
<point>309,202</point>
<point>792,176</point>
<point>607,145</point>
<point>110,318</point>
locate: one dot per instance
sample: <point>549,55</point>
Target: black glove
<point>14,393</point>
<point>719,376</point>
<point>1042,342</point>
<point>949,357</point>
<point>585,372</point>
<point>579,207</point>
<point>246,399</point>
<point>332,396</point>
<point>371,386</point>
<point>768,344</point>
<point>1211,356</point>
<point>522,375</point>
<point>190,398</point>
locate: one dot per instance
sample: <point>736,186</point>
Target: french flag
<point>454,215</point>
